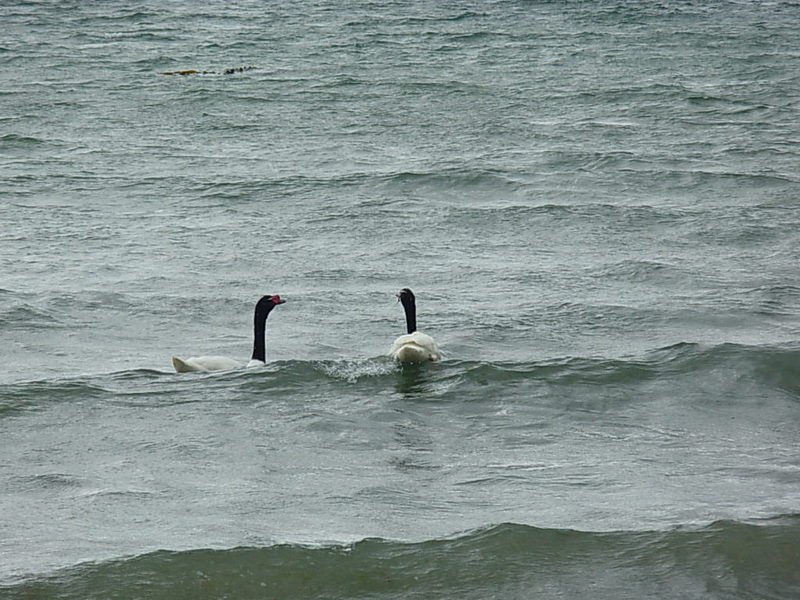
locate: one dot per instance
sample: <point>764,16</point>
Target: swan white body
<point>205,364</point>
<point>415,347</point>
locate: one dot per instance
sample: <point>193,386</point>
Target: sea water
<point>596,205</point>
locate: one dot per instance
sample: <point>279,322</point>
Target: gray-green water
<point>595,203</point>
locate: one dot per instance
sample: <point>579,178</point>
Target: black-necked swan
<point>415,346</point>
<point>223,363</point>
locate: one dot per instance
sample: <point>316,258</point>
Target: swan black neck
<point>263,308</point>
<point>410,306</point>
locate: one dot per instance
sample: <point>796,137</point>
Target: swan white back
<point>207,364</point>
<point>415,347</point>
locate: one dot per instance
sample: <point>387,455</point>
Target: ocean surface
<point>597,205</point>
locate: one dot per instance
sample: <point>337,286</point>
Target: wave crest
<point>773,368</point>
<point>722,560</point>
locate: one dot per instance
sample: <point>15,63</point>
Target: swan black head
<point>267,303</point>
<point>263,308</point>
<point>405,293</point>
<point>406,297</point>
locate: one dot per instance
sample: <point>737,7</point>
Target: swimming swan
<point>415,346</point>
<point>223,363</point>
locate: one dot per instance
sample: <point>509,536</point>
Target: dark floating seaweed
<point>230,71</point>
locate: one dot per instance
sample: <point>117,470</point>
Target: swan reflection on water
<point>415,379</point>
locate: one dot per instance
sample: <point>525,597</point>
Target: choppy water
<point>596,204</point>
